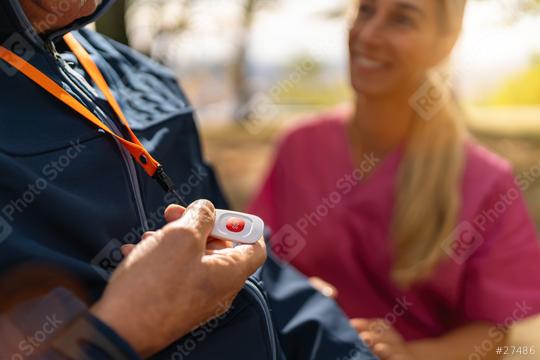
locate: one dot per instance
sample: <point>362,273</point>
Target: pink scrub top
<point>330,221</point>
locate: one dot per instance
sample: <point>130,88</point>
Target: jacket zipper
<point>253,289</point>
<point>84,91</point>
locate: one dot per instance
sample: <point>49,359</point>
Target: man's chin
<point>89,7</point>
<point>56,14</point>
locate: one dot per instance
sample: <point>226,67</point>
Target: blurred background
<point>252,68</point>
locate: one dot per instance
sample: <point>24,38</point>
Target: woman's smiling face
<point>49,15</point>
<point>392,44</point>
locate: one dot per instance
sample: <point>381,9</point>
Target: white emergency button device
<point>237,227</point>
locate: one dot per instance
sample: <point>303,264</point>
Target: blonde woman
<point>423,234</point>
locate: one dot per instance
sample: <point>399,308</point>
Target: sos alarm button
<point>240,228</point>
<point>235,224</point>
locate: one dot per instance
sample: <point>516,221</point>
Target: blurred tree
<point>239,67</point>
<point>113,23</point>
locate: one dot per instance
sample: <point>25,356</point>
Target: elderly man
<point>87,131</point>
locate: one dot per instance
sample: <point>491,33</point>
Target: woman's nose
<point>371,32</point>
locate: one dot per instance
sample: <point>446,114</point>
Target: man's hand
<point>385,341</point>
<point>175,280</point>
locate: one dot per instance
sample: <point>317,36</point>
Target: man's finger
<point>198,216</point>
<point>217,244</point>
<point>148,234</point>
<point>249,257</point>
<point>174,212</point>
<point>127,249</point>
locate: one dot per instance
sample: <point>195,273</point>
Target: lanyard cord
<point>135,147</point>
<point>150,165</point>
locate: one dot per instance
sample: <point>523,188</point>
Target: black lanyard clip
<point>168,184</point>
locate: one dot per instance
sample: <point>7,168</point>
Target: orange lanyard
<point>150,165</point>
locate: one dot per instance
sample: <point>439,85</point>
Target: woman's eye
<point>403,20</point>
<point>366,11</point>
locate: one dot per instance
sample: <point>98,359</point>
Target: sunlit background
<point>206,41</point>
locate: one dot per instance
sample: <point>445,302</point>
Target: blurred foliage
<point>521,89</point>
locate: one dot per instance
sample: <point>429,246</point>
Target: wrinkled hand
<point>175,280</point>
<point>383,340</point>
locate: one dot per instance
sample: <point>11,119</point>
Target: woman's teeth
<point>369,64</point>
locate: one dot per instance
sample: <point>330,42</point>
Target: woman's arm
<point>479,338</point>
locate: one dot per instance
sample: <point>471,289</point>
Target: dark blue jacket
<point>70,196</point>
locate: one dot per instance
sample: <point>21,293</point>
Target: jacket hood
<point>13,22</point>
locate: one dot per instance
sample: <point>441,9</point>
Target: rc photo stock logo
<point>20,47</point>
<point>5,229</point>
<point>108,259</point>
<point>463,242</point>
<point>430,98</point>
<point>257,113</point>
<point>287,243</point>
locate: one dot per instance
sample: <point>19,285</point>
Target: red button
<point>235,225</point>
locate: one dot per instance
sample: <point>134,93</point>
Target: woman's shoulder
<point>487,177</point>
<point>482,163</point>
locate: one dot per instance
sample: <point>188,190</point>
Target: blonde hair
<point>428,193</point>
